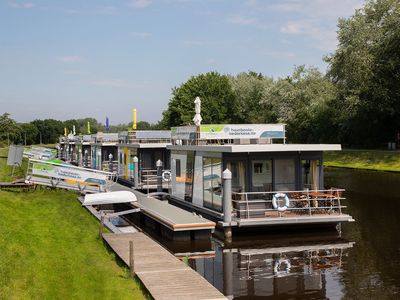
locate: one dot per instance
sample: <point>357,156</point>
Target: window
<point>261,175</point>
<point>178,168</point>
<point>284,175</point>
<point>189,175</point>
<point>212,183</point>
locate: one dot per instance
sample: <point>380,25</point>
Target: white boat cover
<point>109,198</point>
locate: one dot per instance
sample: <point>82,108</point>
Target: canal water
<point>360,261</point>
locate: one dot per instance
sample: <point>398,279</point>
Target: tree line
<point>48,131</point>
<point>356,102</point>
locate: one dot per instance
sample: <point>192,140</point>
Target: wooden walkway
<point>164,276</point>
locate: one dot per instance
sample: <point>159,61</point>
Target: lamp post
<point>110,163</point>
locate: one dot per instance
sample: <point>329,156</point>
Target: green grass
<point>50,249</point>
<point>364,159</point>
<point>5,171</point>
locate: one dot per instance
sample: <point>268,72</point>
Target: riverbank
<point>50,249</point>
<point>379,160</point>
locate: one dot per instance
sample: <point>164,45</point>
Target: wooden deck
<point>164,276</point>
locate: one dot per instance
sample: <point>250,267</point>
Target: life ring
<point>275,201</point>
<point>166,176</point>
<point>279,270</point>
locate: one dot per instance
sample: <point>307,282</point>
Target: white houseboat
<point>272,182</point>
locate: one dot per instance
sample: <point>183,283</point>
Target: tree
<point>49,130</point>
<point>302,101</point>
<point>215,92</point>
<point>9,130</point>
<point>28,132</point>
<point>366,70</point>
<point>250,93</point>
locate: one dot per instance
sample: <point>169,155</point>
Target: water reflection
<point>277,268</point>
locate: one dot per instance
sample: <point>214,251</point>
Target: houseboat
<point>267,181</point>
<point>149,147</point>
<point>116,152</point>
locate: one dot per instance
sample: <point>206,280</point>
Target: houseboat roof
<point>258,148</point>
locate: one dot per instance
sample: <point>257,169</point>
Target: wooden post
<point>101,226</point>
<point>131,259</point>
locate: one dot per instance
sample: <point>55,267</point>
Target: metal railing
<point>148,141</point>
<point>309,203</point>
<point>148,179</point>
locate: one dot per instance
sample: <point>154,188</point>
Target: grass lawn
<point>364,159</point>
<point>50,249</point>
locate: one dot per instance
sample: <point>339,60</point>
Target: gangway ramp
<point>174,218</point>
<point>68,177</point>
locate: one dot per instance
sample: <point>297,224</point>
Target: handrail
<point>303,202</point>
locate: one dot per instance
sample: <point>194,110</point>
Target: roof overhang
<point>259,148</point>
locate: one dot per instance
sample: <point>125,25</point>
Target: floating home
<point>270,183</point>
<point>149,146</point>
<point>116,152</point>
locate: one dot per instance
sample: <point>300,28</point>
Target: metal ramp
<point>68,177</point>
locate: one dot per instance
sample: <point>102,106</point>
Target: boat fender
<point>275,201</point>
<point>282,267</point>
<point>166,176</point>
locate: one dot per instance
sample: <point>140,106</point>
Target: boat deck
<point>293,220</point>
<point>164,276</point>
<point>172,217</point>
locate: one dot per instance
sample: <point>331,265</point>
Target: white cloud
<point>122,83</point>
<point>324,36</point>
<point>70,59</point>
<point>241,20</point>
<point>142,34</point>
<point>105,10</point>
<point>193,43</point>
<point>139,3</point>
<point>21,4</point>
<point>280,54</point>
<point>317,8</point>
<point>111,83</point>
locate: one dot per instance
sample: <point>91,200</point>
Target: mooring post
<point>131,259</point>
<point>85,160</point>
<point>159,175</point>
<point>136,171</point>
<point>101,225</point>
<point>110,163</point>
<point>227,202</point>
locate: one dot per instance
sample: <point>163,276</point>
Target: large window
<point>261,175</point>
<point>189,176</point>
<point>310,174</point>
<point>212,183</point>
<point>285,175</point>
<point>238,169</point>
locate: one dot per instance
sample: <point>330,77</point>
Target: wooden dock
<point>164,275</point>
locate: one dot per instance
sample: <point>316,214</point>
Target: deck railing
<point>310,203</point>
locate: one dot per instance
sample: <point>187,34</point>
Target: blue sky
<point>73,59</point>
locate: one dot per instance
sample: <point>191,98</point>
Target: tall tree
<point>366,70</point>
<point>302,101</point>
<point>215,92</point>
<point>250,92</point>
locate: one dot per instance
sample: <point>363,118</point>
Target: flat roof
<point>258,148</point>
<point>145,145</point>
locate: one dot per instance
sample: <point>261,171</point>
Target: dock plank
<point>164,275</point>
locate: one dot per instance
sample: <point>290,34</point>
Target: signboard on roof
<point>240,131</point>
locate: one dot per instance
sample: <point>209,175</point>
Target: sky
<point>75,59</point>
